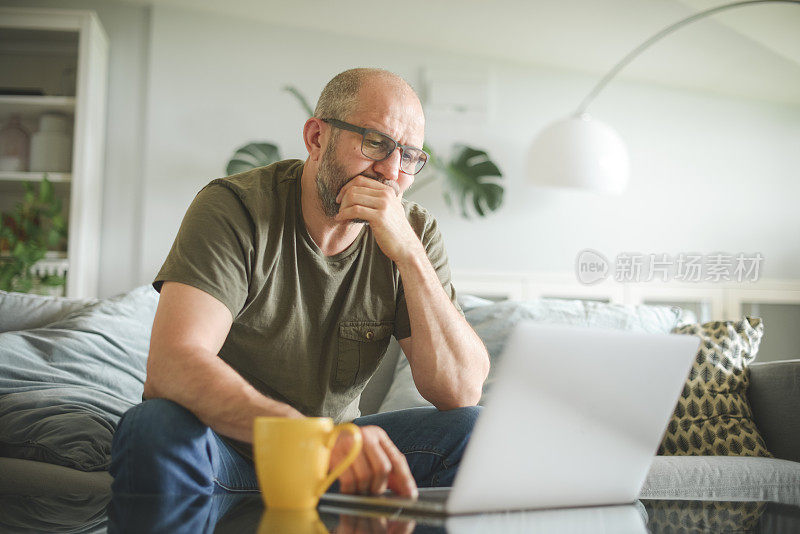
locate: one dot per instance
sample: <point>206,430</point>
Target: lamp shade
<point>579,152</point>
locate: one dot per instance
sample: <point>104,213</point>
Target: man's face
<point>386,109</point>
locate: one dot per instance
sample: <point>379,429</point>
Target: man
<point>278,299</point>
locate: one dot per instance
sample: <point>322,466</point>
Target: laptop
<point>574,418</point>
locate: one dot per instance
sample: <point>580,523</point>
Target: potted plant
<point>35,226</point>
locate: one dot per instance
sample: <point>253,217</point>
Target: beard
<point>331,178</point>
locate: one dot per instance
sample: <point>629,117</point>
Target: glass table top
<point>245,513</point>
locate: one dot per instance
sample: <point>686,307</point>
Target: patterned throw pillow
<point>713,416</point>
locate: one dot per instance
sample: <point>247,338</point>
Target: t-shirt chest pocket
<point>361,345</point>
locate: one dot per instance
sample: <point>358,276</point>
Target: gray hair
<point>339,98</point>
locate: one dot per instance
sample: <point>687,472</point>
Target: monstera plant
<point>253,155</point>
<point>470,176</point>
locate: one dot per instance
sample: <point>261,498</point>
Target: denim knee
<point>159,424</point>
<point>156,441</point>
<point>464,417</point>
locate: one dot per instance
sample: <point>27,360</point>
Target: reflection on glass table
<point>245,513</point>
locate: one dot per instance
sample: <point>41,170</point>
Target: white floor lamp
<point>581,152</point>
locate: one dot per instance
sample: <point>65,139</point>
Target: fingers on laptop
<point>379,466</point>
<point>369,472</point>
<point>379,462</point>
<point>401,481</point>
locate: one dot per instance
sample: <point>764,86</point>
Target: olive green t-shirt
<point>308,330</point>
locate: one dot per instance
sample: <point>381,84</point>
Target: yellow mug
<point>292,456</point>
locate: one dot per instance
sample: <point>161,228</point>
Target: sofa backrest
<point>774,395</point>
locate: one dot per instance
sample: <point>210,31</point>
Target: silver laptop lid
<point>574,418</point>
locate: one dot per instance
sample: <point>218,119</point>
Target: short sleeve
<point>434,247</point>
<point>213,250</point>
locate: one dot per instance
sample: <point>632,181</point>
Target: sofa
<point>71,367</point>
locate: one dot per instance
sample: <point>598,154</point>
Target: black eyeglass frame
<point>363,131</point>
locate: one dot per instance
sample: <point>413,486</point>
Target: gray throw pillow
<point>64,386</point>
<point>22,311</point>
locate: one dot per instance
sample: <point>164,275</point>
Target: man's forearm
<point>448,360</point>
<point>213,391</point>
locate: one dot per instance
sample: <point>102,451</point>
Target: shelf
<point>55,177</point>
<point>54,263</point>
<point>44,42</point>
<point>36,105</point>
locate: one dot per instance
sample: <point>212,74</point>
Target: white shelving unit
<point>64,53</point>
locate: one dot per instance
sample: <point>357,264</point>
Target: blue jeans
<point>160,447</point>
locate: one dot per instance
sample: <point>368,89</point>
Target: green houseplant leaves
<point>251,156</point>
<point>35,226</point>
<point>469,174</point>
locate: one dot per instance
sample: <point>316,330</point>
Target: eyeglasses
<point>378,146</point>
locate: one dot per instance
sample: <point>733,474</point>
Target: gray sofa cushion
<point>60,425</point>
<point>28,477</point>
<point>774,395</point>
<point>21,311</point>
<point>725,478</point>
<point>64,386</point>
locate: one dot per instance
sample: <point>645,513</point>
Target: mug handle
<point>353,430</point>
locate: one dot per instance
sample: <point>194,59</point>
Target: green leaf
<point>468,174</point>
<point>53,237</point>
<point>252,156</point>
<point>22,284</point>
<point>46,193</point>
<point>53,280</point>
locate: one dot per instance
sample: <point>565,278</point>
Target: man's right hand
<point>379,465</point>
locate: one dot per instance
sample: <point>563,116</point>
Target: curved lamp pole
<point>581,152</point>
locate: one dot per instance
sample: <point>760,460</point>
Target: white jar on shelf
<point>51,146</point>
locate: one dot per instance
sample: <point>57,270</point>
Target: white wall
<point>186,88</point>
<point>708,173</point>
